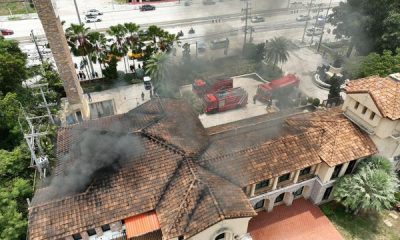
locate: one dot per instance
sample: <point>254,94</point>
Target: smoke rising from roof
<point>95,153</point>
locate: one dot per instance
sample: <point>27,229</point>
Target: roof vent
<point>395,76</point>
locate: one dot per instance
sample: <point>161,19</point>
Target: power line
<point>305,27</point>
<point>246,10</point>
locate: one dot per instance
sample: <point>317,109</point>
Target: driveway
<point>301,221</point>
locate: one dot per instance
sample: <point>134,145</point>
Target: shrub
<point>397,196</point>
<point>310,100</point>
<point>316,102</point>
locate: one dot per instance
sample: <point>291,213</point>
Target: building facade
<point>194,183</point>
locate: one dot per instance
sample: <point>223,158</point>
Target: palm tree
<point>277,50</point>
<point>100,48</point>
<point>119,47</point>
<point>133,40</point>
<point>77,38</point>
<point>369,189</point>
<point>157,67</point>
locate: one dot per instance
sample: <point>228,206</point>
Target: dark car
<point>147,7</point>
<point>6,32</point>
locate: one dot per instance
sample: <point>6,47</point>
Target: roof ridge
<point>334,143</point>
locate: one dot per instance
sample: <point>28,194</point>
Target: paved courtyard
<point>301,221</point>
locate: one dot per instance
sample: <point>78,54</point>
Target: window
<point>279,198</point>
<point>356,105</point>
<point>350,167</point>
<point>101,109</point>
<point>91,232</point>
<point>298,192</point>
<point>180,238</point>
<point>364,110</point>
<point>262,184</point>
<point>77,236</point>
<point>259,204</point>
<point>105,228</point>
<point>220,236</point>
<point>284,177</point>
<point>372,116</point>
<point>327,193</point>
<point>79,116</point>
<point>305,171</point>
<point>336,171</point>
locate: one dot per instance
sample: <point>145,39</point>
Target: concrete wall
<point>231,227</point>
<point>324,172</point>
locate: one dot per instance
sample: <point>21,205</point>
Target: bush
<point>397,196</point>
<point>316,102</point>
<point>110,72</point>
<point>310,100</point>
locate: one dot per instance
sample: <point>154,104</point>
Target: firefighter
<point>142,96</point>
<point>255,99</point>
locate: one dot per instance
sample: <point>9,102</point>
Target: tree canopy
<point>372,187</point>
<point>372,25</point>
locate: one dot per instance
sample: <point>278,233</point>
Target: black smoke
<point>97,152</point>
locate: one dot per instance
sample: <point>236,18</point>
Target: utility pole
<point>315,25</point>
<point>77,12</point>
<point>305,27</point>
<point>45,104</point>
<point>323,28</point>
<point>37,47</point>
<point>245,26</point>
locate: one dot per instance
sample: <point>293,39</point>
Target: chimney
<point>395,76</point>
<point>48,15</point>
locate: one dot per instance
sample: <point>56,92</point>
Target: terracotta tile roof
<point>156,235</point>
<point>179,127</point>
<point>269,159</point>
<point>384,91</point>
<point>197,199</point>
<point>133,189</point>
<point>141,224</point>
<point>182,174</point>
<point>342,140</point>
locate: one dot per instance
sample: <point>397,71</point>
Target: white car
<point>257,19</point>
<point>303,18</point>
<point>91,19</point>
<point>94,12</point>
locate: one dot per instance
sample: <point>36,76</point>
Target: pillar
<point>343,170</point>
<point>59,47</point>
<point>275,184</point>
<point>252,190</point>
<point>84,235</point>
<point>99,231</point>
<point>288,198</point>
<point>317,168</point>
<point>270,205</point>
<point>69,238</point>
<point>296,176</point>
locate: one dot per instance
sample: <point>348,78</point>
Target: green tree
<point>157,67</point>
<point>371,188</point>
<point>12,66</point>
<point>370,24</point>
<point>99,45</point>
<point>77,38</point>
<point>9,129</point>
<point>277,50</point>
<point>334,89</point>
<point>119,47</point>
<point>382,65</point>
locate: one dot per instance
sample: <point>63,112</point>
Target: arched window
<point>220,236</point>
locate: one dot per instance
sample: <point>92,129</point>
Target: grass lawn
<point>15,8</point>
<point>362,226</point>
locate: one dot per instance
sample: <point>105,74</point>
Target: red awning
<point>141,224</point>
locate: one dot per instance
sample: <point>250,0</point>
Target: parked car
<point>94,12</point>
<point>209,2</point>
<point>147,7</point>
<point>6,32</point>
<point>303,18</point>
<point>314,31</point>
<point>91,19</point>
<point>257,19</point>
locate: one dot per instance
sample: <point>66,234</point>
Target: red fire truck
<point>225,100</point>
<point>266,91</point>
<point>201,87</point>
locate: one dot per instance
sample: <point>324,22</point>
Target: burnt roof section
<point>384,91</point>
<point>182,175</point>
